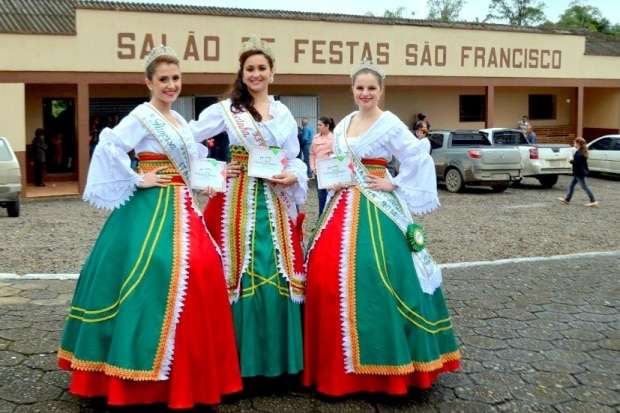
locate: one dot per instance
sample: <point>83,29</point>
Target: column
<point>82,133</point>
<point>579,120</point>
<point>490,107</point>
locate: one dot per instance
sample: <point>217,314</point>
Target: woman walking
<point>150,321</point>
<point>376,320</point>
<point>580,171</point>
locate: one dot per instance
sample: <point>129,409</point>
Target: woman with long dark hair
<point>321,148</point>
<point>256,221</point>
<point>149,321</point>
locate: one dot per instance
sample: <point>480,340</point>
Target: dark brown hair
<point>329,122</point>
<point>150,69</point>
<point>240,97</point>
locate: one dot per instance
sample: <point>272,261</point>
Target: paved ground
<point>537,337</point>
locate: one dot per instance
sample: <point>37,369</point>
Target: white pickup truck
<point>543,162</point>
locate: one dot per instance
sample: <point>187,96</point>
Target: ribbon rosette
<point>416,237</point>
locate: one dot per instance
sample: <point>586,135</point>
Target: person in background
<point>322,147</point>
<point>95,129</point>
<point>523,124</point>
<point>420,121</point>
<point>39,152</point>
<point>306,141</point>
<point>421,132</point>
<point>531,135</point>
<point>580,171</point>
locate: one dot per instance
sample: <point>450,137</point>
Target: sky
<point>473,8</point>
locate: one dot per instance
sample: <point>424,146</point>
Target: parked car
<point>465,157</point>
<point>10,179</point>
<point>605,154</point>
<point>545,162</point>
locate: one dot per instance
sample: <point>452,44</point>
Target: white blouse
<point>111,181</point>
<point>280,131</point>
<point>416,183</point>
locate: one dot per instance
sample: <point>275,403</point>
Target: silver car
<point>10,179</point>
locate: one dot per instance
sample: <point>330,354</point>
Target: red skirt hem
<point>205,365</point>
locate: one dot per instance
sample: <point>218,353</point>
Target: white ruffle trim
<point>181,195</point>
<point>345,251</point>
<point>418,201</point>
<point>111,195</point>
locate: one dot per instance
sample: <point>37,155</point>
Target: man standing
<point>531,135</point>
<point>39,152</point>
<point>306,141</point>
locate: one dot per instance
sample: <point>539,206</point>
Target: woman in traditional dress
<point>256,222</point>
<point>376,320</point>
<point>150,321</point>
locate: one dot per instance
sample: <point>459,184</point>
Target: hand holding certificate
<point>335,171</point>
<point>265,162</point>
<point>208,173</point>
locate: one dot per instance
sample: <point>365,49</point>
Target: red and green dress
<point>376,319</point>
<point>149,321</point>
<point>259,230</point>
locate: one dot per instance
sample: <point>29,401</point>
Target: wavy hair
<point>240,97</point>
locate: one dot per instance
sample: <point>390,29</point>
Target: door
<point>303,107</point>
<point>614,156</point>
<point>599,153</point>
<point>59,127</point>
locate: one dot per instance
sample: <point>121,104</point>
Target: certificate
<point>334,171</point>
<point>265,162</point>
<point>208,172</point>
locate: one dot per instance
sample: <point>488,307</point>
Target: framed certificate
<point>265,162</point>
<point>335,170</point>
<point>208,172</point>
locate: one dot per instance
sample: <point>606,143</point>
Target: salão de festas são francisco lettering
<point>336,52</point>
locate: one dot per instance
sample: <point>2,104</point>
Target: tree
<point>517,12</point>
<point>444,10</point>
<point>396,13</point>
<point>583,16</point>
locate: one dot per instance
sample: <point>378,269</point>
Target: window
<point>5,152</point>
<point>542,107</point>
<point>601,145</point>
<point>469,139</point>
<point>472,108</point>
<point>616,145</point>
<point>509,137</point>
<point>436,140</point>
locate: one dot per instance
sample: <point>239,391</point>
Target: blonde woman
<point>580,171</point>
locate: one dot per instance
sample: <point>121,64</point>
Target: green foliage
<point>517,12</point>
<point>584,16</point>
<point>444,10</point>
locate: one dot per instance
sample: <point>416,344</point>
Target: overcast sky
<point>473,8</point>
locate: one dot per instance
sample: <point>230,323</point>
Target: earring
<point>271,79</point>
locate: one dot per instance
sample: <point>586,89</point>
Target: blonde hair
<point>149,71</point>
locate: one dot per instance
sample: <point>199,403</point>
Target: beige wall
<point>512,102</point>
<point>451,52</point>
<point>13,114</point>
<point>601,108</point>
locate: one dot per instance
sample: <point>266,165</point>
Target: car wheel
<point>516,182</point>
<point>454,180</point>
<point>547,181</point>
<point>13,209</point>
<point>499,187</point>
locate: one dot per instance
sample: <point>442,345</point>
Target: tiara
<point>255,43</point>
<point>367,64</point>
<point>158,52</point>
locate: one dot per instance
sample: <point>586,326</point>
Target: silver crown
<point>256,43</point>
<point>158,52</point>
<point>367,64</point>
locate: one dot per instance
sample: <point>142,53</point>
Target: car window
<point>5,152</point>
<point>436,140</point>
<point>509,137</point>
<point>601,145</point>
<point>468,139</point>
<point>616,145</point>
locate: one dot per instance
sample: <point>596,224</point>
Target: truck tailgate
<point>556,156</point>
<point>500,158</point>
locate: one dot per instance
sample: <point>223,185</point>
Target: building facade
<point>66,63</point>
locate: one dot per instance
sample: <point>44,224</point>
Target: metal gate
<point>303,107</point>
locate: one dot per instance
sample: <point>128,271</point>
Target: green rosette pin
<point>416,237</point>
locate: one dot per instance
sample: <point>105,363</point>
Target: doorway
<point>59,127</point>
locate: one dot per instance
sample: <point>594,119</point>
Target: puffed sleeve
<point>416,182</point>
<point>210,122</point>
<point>287,131</point>
<point>111,181</point>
